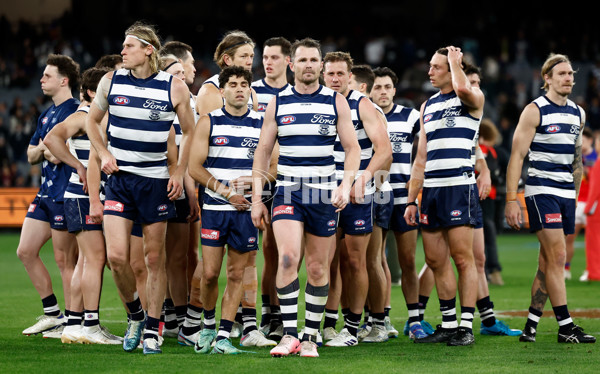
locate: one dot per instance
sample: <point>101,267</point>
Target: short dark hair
<point>175,48</point>
<point>587,132</point>
<point>67,67</point>
<point>109,61</point>
<point>306,43</point>
<point>364,74</point>
<point>90,79</point>
<point>386,72</point>
<point>286,46</point>
<point>236,71</point>
<point>339,57</point>
<point>469,69</point>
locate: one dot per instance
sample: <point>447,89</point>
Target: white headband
<point>140,39</point>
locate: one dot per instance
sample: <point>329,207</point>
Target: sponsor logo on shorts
<point>286,120</point>
<point>331,223</point>
<point>553,128</point>
<point>31,208</point>
<point>553,218</point>
<point>359,222</point>
<point>283,209</point>
<point>114,206</point>
<point>252,240</point>
<point>59,218</point>
<point>90,221</point>
<point>121,100</point>
<point>210,234</point>
<point>455,213</point>
<point>221,140</point>
<point>424,219</point>
<point>162,207</point>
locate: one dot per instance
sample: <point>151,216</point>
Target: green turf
<point>20,305</point>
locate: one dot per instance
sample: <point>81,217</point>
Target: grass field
<point>20,305</point>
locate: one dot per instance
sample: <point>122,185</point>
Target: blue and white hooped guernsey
<point>214,80</point>
<point>140,116</point>
<point>403,127</point>
<point>80,149</point>
<point>451,132</point>
<point>552,150</point>
<point>366,147</point>
<point>264,93</point>
<point>232,143</point>
<point>306,130</point>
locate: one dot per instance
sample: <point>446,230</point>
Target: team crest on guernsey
<point>397,147</point>
<point>251,153</point>
<point>324,129</point>
<point>450,122</point>
<point>154,115</point>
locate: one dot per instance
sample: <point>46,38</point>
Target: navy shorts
<point>182,211</point>
<point>449,206</point>
<point>551,212</point>
<point>479,218</point>
<point>138,198</point>
<point>229,227</point>
<point>383,205</point>
<point>136,230</point>
<point>398,223</point>
<point>47,210</point>
<point>78,216</point>
<point>357,219</point>
<point>309,205</point>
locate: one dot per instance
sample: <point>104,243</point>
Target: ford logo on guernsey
<point>121,100</point>
<point>553,128</point>
<point>287,120</point>
<point>455,213</point>
<point>162,207</point>
<point>220,140</point>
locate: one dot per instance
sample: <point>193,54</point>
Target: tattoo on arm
<point>577,168</point>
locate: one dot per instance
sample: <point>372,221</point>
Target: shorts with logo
<point>78,216</point>
<point>383,205</point>
<point>309,205</point>
<point>443,207</point>
<point>479,218</point>
<point>182,211</point>
<point>47,210</point>
<point>138,198</point>
<point>398,223</point>
<point>550,212</point>
<point>356,219</point>
<point>229,227</point>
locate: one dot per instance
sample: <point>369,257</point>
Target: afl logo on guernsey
<point>262,107</point>
<point>221,140</point>
<point>553,128</point>
<point>287,120</point>
<point>427,118</point>
<point>121,100</point>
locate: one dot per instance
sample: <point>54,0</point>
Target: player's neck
<point>62,96</point>
<point>278,82</point>
<point>557,98</point>
<point>142,71</point>
<point>306,88</point>
<point>235,111</point>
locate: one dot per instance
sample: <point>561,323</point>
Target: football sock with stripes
<point>50,305</point>
<point>486,311</point>
<point>288,302</point>
<point>316,298</point>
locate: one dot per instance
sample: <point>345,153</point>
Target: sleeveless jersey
<point>264,93</point>
<point>306,130</point>
<point>140,116</point>
<point>232,143</point>
<point>54,177</point>
<point>451,133</point>
<point>366,147</point>
<point>403,127</point>
<point>552,150</point>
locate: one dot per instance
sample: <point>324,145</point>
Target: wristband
<point>511,201</point>
<point>413,203</point>
<point>230,194</point>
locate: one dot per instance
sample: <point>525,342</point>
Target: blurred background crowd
<point>509,41</point>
